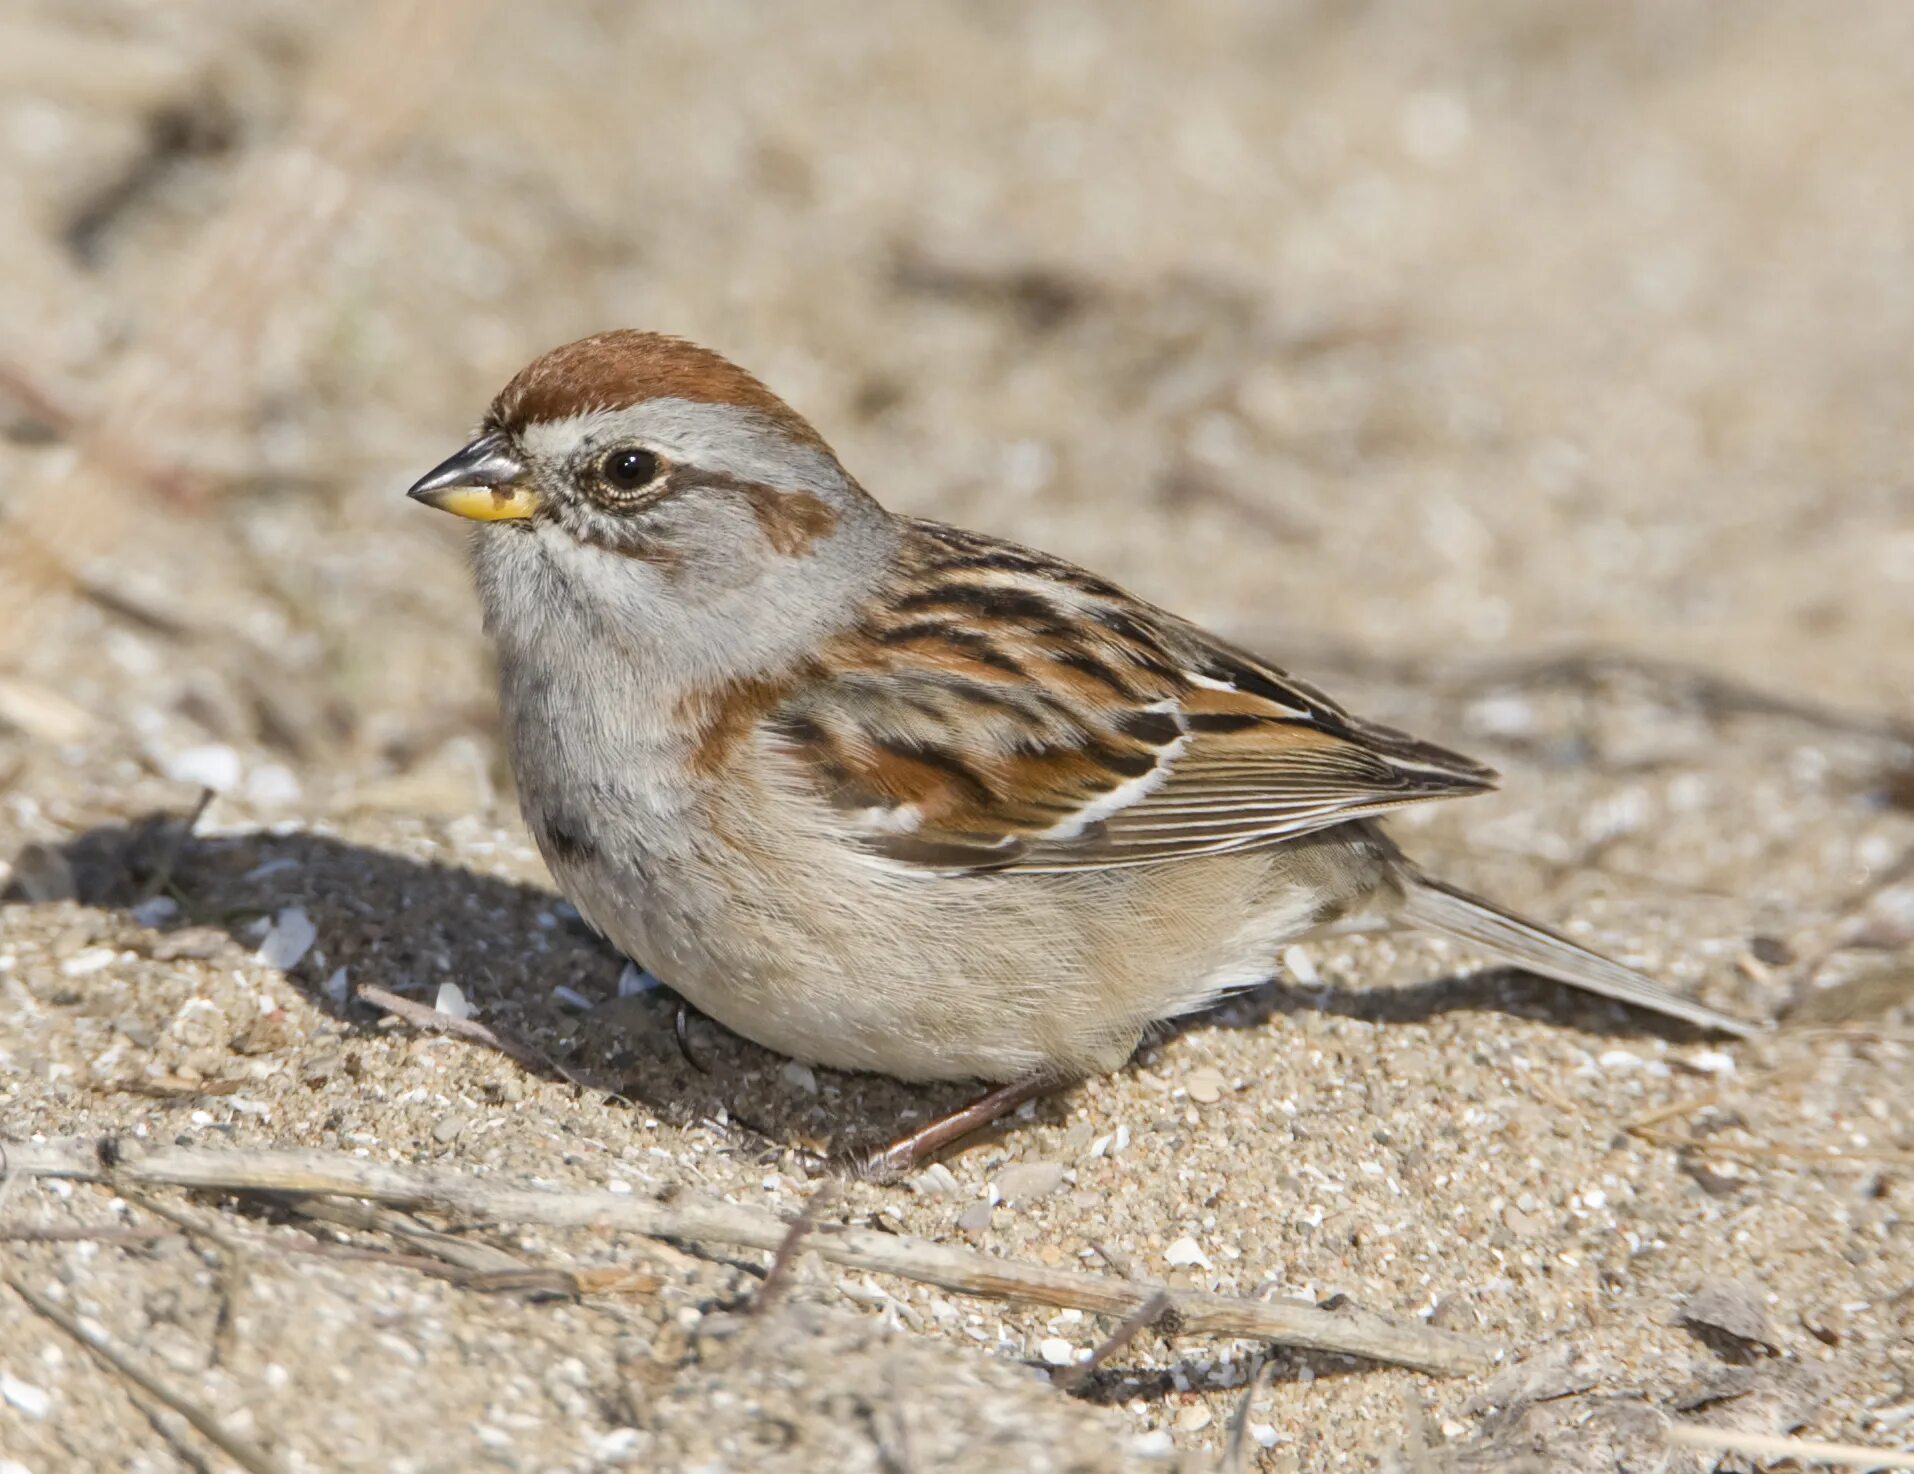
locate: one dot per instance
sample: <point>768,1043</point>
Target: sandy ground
<point>1431,349</point>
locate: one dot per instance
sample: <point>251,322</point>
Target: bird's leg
<point>926,1141</point>
<point>681,1030</point>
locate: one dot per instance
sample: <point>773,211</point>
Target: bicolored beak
<point>484,482</point>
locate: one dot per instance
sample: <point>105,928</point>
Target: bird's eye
<point>629,470</point>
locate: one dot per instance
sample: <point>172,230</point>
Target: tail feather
<point>1536,949</point>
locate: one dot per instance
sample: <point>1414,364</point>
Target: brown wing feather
<point>1000,709</point>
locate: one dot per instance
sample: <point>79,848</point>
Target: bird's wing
<point>997,709</point>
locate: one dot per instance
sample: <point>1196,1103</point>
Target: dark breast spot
<point>565,843</point>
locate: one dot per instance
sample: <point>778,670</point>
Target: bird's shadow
<point>539,977</point>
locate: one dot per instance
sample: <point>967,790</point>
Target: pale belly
<point>996,977</point>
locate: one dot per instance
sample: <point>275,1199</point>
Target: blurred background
<point>1369,332</point>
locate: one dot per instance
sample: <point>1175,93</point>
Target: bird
<point>883,794</point>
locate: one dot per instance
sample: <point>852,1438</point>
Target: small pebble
<point>1111,1142</point>
<point>1205,1085</point>
<point>85,964</point>
<point>1057,1351</point>
<point>619,1446</point>
<point>1184,1252</point>
<point>1193,1419</point>
<point>215,766</point>
<point>156,911</point>
<point>447,1130</point>
<point>975,1218</point>
<point>322,1067</point>
<point>799,1076</point>
<point>635,980</point>
<point>288,939</point>
<point>937,1180</point>
<point>1028,1181</point>
<point>1731,1316</point>
<point>451,1002</point>
<point>26,1398</point>
<point>272,786</point>
<point>266,1034</point>
<point>189,943</point>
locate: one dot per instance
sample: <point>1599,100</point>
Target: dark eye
<point>629,469</point>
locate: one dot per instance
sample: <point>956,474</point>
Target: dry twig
<point>1766,1082</point>
<point>512,1277</point>
<point>689,1218</point>
<point>427,1019</point>
<point>468,1254</point>
<point>1774,1446</point>
<point>232,1270</point>
<point>1775,1151</point>
<point>1134,1324</point>
<point>241,1451</point>
<point>787,1252</point>
<point>1236,1446</point>
<point>176,842</point>
<point>424,1017</point>
<point>83,1233</point>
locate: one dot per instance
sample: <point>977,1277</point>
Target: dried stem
<point>233,1268</point>
<point>1134,1324</point>
<point>466,1254</point>
<point>787,1252</point>
<point>1774,1446</point>
<point>427,1019</point>
<point>82,1233</point>
<point>1236,1444</point>
<point>688,1218</point>
<point>1774,1151</point>
<point>246,1454</point>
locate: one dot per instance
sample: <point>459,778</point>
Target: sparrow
<point>883,794</point>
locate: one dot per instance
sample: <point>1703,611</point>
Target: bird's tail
<point>1536,949</point>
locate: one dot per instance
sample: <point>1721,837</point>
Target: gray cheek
<point>718,542</point>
